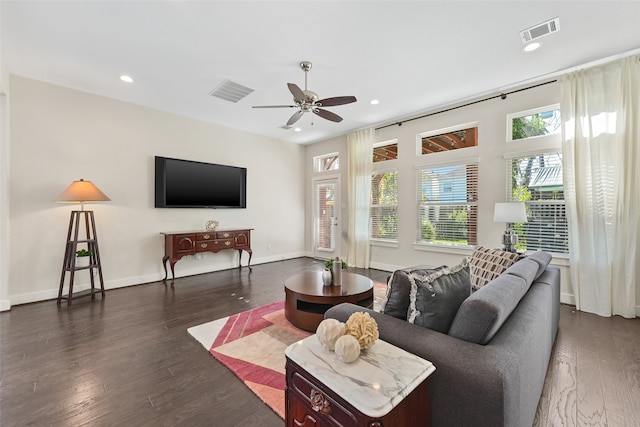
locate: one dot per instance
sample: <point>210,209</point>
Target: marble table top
<point>374,383</point>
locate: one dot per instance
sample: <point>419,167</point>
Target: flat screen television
<point>190,184</point>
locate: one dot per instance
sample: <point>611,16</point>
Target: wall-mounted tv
<point>190,184</point>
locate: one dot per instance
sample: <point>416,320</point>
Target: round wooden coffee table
<point>307,299</point>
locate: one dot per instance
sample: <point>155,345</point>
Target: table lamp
<point>510,213</point>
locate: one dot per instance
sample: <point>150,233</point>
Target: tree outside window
<point>384,206</point>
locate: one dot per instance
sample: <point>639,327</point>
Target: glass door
<point>326,197</point>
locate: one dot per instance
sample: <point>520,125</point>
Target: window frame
<point>420,136</point>
<point>384,144</point>
<point>318,159</point>
<point>471,232</point>
<point>525,113</point>
<point>561,203</point>
<point>372,207</point>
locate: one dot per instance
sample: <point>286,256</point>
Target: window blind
<point>384,206</point>
<point>536,180</point>
<point>447,201</point>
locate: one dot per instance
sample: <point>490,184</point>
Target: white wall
<point>58,135</point>
<point>491,121</point>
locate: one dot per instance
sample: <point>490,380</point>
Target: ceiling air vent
<point>230,91</point>
<point>540,30</point>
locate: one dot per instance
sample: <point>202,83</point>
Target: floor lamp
<point>510,213</point>
<point>81,192</point>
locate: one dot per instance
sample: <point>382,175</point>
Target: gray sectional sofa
<point>491,365</point>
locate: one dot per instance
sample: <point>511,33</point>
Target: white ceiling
<point>412,56</point>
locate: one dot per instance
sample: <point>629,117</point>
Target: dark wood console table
<point>177,245</point>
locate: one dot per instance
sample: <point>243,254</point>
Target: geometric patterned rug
<point>252,343</point>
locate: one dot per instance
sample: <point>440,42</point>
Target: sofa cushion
<point>542,259</point>
<point>525,269</point>
<point>396,300</point>
<point>487,264</point>
<point>435,298</point>
<point>481,315</point>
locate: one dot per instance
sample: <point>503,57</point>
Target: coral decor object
<point>347,348</point>
<point>328,331</point>
<point>363,328</point>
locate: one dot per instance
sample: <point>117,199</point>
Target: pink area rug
<point>252,343</point>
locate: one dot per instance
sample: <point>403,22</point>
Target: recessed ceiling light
<point>531,46</point>
<point>297,130</point>
<point>374,102</point>
<point>126,79</point>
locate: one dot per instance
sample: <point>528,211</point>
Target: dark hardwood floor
<point>128,360</point>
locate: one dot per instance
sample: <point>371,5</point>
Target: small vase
<point>326,277</point>
<point>337,272</point>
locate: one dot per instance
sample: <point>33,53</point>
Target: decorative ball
<point>363,328</point>
<point>347,348</point>
<point>328,331</point>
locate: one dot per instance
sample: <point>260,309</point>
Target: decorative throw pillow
<point>487,264</point>
<point>396,299</point>
<point>435,299</point>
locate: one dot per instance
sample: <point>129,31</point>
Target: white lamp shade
<point>80,192</point>
<point>510,212</point>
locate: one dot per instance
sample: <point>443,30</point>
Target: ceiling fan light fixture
<point>308,101</point>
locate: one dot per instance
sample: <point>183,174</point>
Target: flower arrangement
<point>348,339</point>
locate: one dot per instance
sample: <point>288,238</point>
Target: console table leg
<point>250,255</point>
<point>164,264</point>
<point>172,263</point>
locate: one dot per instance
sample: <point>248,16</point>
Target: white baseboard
<point>52,293</point>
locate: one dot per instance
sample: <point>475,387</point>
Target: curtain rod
<point>501,96</point>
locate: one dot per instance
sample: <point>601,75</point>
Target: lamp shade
<point>510,212</point>
<point>80,192</point>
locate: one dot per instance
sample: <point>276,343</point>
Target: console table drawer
<point>206,236</point>
<point>225,234</point>
<point>210,245</point>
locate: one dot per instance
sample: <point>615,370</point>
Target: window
<point>448,204</point>
<point>385,151</point>
<point>448,139</point>
<point>532,123</point>
<point>537,181</point>
<point>384,206</point>
<point>328,162</point>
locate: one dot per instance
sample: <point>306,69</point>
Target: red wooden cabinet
<point>177,245</point>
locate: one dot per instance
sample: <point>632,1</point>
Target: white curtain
<point>360,149</point>
<point>601,159</point>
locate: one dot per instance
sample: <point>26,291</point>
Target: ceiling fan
<point>307,100</point>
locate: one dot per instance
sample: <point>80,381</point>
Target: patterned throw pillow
<point>487,264</point>
<point>396,299</point>
<point>435,299</point>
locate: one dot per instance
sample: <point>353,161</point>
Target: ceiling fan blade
<point>297,93</point>
<point>326,114</point>
<point>274,106</point>
<point>296,116</point>
<point>338,100</point>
